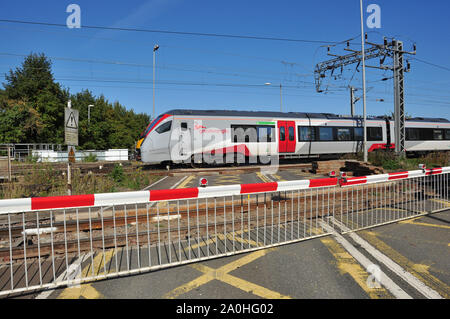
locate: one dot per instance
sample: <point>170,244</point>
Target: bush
<point>90,158</point>
<point>117,174</point>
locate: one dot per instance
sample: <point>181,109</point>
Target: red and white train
<point>199,136</point>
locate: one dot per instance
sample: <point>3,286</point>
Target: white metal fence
<point>60,241</point>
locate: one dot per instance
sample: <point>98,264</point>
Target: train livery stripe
<point>128,198</point>
<point>380,146</point>
<point>156,124</point>
<point>62,202</point>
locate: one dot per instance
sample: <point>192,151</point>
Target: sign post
<point>71,117</point>
<point>71,126</point>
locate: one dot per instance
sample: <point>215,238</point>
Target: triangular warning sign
<point>71,122</point>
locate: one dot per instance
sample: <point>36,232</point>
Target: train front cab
<point>154,142</point>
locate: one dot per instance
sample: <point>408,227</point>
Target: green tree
<point>19,122</point>
<point>32,111</point>
<point>34,83</point>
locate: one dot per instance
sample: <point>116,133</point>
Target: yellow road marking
<point>279,178</point>
<point>229,179</point>
<point>183,184</point>
<point>221,274</point>
<point>347,264</point>
<point>446,203</point>
<point>87,290</point>
<point>263,177</point>
<point>410,221</point>
<point>418,270</point>
<point>433,242</point>
<point>230,237</point>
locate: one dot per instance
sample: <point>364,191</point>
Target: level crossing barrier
<point>69,240</point>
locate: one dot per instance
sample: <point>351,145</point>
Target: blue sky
<point>225,73</point>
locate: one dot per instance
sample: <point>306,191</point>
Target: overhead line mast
<point>388,49</point>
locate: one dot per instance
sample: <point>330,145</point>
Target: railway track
<point>139,224</point>
<point>106,167</point>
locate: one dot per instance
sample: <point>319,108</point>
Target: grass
<point>43,180</point>
<point>389,161</point>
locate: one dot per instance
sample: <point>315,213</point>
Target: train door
<point>286,136</point>
<point>184,141</point>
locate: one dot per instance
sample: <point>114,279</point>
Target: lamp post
<point>89,113</point>
<point>364,81</point>
<point>281,98</point>
<point>154,62</point>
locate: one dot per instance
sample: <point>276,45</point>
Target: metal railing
<point>69,240</point>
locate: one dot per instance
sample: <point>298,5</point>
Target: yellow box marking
<point>412,222</point>
<point>446,203</point>
<point>222,274</point>
<point>263,177</point>
<point>347,264</point>
<point>87,291</point>
<point>230,237</point>
<point>418,270</point>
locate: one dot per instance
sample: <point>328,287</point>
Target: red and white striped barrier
<point>381,178</point>
<point>140,197</point>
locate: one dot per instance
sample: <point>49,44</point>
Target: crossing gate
<point>63,241</point>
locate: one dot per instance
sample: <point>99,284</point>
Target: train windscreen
<point>150,126</point>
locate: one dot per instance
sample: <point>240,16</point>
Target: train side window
<point>343,134</point>
<point>291,133</point>
<point>359,133</point>
<point>164,128</point>
<point>426,134</point>
<point>266,134</point>
<point>447,134</point>
<point>438,135</point>
<point>374,134</point>
<point>325,133</point>
<point>412,134</point>
<point>184,126</point>
<point>282,134</point>
<point>244,133</point>
<point>305,133</point>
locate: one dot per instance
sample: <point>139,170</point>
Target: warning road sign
<point>71,117</point>
<point>72,122</point>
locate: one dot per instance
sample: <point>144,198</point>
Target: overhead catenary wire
<point>203,34</point>
<point>177,67</point>
<point>432,64</point>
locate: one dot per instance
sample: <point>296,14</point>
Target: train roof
<point>289,115</point>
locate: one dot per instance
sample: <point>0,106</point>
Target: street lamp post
<point>281,96</point>
<point>154,62</point>
<point>364,82</point>
<point>89,113</point>
<point>281,100</point>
